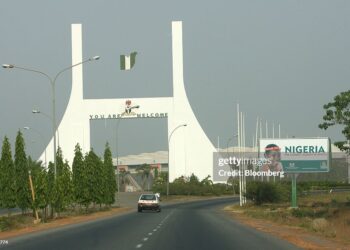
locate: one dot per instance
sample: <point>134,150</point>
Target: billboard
<point>296,155</point>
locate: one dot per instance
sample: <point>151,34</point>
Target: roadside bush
<point>13,222</point>
<point>192,186</point>
<point>347,203</point>
<point>311,213</point>
<point>5,223</point>
<point>322,185</point>
<point>320,225</point>
<point>300,213</point>
<point>266,192</point>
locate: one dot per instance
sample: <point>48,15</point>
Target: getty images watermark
<point>228,165</point>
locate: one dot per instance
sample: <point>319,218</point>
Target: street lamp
<point>231,166</point>
<point>167,183</point>
<point>41,136</point>
<point>7,66</point>
<point>36,111</point>
<point>53,87</point>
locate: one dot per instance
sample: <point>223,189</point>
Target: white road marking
<point>154,230</point>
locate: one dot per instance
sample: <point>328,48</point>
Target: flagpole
<point>239,153</point>
<point>279,130</point>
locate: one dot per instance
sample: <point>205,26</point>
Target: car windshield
<point>148,197</point>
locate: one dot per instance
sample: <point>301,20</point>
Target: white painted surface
<point>190,149</point>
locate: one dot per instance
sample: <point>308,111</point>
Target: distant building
<point>130,163</point>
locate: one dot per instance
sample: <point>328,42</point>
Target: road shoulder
<point>295,235</point>
<point>64,221</point>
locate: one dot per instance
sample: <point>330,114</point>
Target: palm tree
<point>231,179</point>
<point>206,181</point>
<point>123,178</point>
<point>144,170</point>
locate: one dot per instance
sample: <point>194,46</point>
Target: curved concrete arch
<point>190,149</point>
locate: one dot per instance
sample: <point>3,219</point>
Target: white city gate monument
<point>190,149</point>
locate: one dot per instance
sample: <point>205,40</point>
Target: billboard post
<point>294,191</point>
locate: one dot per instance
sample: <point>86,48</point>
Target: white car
<point>148,202</point>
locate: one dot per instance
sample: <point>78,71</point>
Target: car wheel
<point>139,210</point>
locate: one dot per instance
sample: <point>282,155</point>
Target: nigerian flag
<point>127,61</point>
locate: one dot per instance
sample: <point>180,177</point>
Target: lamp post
<point>53,88</point>
<point>36,111</point>
<point>41,136</point>
<point>228,141</point>
<point>167,183</point>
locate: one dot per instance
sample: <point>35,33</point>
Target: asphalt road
<point>195,225</point>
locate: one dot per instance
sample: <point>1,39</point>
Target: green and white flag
<point>127,61</point>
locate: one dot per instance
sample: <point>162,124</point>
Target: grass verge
<point>326,215</point>
<point>22,224</point>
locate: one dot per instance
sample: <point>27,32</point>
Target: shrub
<point>266,192</point>
<point>320,224</point>
<point>192,186</point>
<point>308,212</point>
<point>300,213</point>
<point>347,203</point>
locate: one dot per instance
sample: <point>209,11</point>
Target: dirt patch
<point>296,235</point>
<point>63,221</point>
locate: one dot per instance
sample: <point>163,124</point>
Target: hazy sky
<point>281,60</point>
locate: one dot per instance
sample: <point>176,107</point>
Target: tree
<point>206,181</point>
<point>65,186</point>
<point>62,192</point>
<point>161,179</point>
<point>338,113</point>
<point>21,174</point>
<point>79,176</point>
<point>7,177</point>
<point>50,179</point>
<point>95,180</point>
<point>194,179</point>
<point>100,180</point>
<point>109,173</point>
<point>123,177</point>
<point>155,173</point>
<point>144,170</point>
<point>40,184</point>
<point>181,180</point>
